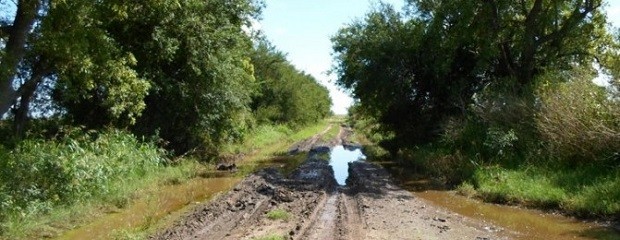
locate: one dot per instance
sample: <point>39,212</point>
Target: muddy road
<point>310,204</point>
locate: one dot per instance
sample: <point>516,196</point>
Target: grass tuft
<point>271,237</point>
<point>278,214</point>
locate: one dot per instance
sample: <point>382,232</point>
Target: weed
<point>466,189</point>
<point>271,237</point>
<point>278,214</point>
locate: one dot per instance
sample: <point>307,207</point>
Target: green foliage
<point>195,56</point>
<point>97,86</point>
<point>497,93</point>
<point>179,69</point>
<point>414,71</point>
<point>39,174</point>
<point>286,95</point>
<point>278,214</point>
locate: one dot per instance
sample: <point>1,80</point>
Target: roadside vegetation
<point>495,98</point>
<point>102,102</point>
<point>51,186</point>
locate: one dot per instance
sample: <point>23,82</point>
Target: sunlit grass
<point>587,191</point>
<point>278,214</point>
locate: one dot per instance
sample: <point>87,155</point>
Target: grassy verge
<point>50,187</point>
<point>587,191</point>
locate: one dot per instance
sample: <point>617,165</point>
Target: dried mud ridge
<point>369,207</point>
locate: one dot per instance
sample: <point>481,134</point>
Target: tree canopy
<point>191,72</point>
<point>286,95</point>
<point>415,69</point>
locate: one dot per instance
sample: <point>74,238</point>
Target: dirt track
<point>369,207</point>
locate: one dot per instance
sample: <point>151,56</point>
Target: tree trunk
<point>21,114</point>
<point>26,93</point>
<point>14,50</point>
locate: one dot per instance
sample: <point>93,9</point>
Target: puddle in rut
<point>340,157</point>
<point>530,224</point>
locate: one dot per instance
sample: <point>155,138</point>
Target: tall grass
<point>38,176</point>
<point>579,121</point>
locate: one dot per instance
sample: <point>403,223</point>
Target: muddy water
<point>145,212</point>
<point>526,223</point>
<point>529,224</point>
<point>339,159</point>
<point>173,198</point>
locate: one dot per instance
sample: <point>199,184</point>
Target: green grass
<point>260,137</point>
<point>271,237</point>
<point>309,131</point>
<point>332,133</point>
<point>278,214</point>
<point>585,191</point>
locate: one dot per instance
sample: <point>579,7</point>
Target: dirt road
<point>309,204</point>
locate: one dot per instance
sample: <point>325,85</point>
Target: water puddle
<point>340,157</point>
<point>172,199</point>
<point>530,224</point>
<point>145,212</point>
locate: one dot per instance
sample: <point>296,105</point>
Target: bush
<point>578,121</point>
<point>38,174</point>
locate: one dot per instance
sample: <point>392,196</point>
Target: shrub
<point>578,121</point>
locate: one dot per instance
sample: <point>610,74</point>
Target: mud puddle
<point>173,198</point>
<point>148,211</point>
<point>528,223</point>
<point>339,159</point>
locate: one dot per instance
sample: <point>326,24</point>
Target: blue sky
<point>302,29</point>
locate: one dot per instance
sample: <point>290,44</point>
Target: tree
<point>413,71</point>
<point>14,35</point>
<point>196,57</point>
<point>286,95</point>
<point>65,41</point>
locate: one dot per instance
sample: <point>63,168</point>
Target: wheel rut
<point>311,205</point>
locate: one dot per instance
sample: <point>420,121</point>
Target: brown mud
<point>316,207</point>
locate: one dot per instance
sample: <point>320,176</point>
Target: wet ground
<point>525,223</point>
<point>343,198</point>
<point>148,211</point>
<point>369,206</point>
